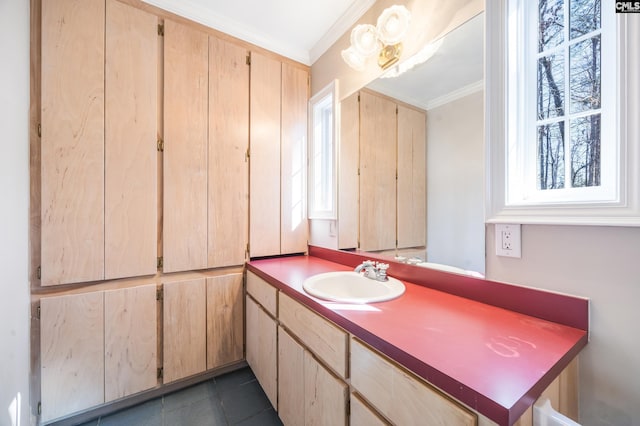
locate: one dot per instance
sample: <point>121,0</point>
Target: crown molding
<point>456,94</point>
<point>342,25</point>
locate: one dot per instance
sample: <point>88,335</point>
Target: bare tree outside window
<point>568,93</point>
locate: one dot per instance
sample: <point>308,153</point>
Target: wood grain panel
<point>348,191</point>
<point>264,175</point>
<point>71,353</point>
<point>412,178</point>
<point>262,355</point>
<point>263,292</point>
<point>225,320</point>
<point>186,74</point>
<point>185,328</point>
<point>323,338</point>
<point>362,415</point>
<point>399,396</point>
<point>228,143</point>
<point>325,396</point>
<point>72,141</point>
<point>293,157</point>
<point>290,379</point>
<point>377,172</point>
<point>130,141</point>
<point>131,340</point>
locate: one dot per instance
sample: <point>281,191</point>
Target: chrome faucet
<point>374,270</point>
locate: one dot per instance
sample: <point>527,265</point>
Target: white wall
<point>14,213</point>
<point>455,183</point>
<point>603,264</point>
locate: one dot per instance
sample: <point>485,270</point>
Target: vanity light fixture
<point>385,38</point>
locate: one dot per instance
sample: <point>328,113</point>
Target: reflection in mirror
<point>449,86</point>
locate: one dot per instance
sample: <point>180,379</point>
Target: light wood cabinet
<point>71,353</point>
<point>99,103</point>
<point>225,320</point>
<point>323,338</point>
<point>278,129</point>
<point>382,174</point>
<point>307,392</point>
<point>186,75</point>
<point>398,395</point>
<point>378,160</point>
<point>412,178</point>
<point>130,341</point>
<point>362,415</point>
<point>262,355</point>
<point>184,329</point>
<point>72,145</point>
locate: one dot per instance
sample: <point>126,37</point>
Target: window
<point>322,153</point>
<point>560,153</point>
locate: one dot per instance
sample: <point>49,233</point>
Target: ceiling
<point>298,29</point>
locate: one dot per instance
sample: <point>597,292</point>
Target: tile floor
<point>231,399</point>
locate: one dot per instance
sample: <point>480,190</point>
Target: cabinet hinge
<point>249,59</point>
<point>39,130</point>
<point>160,145</point>
<point>358,171</point>
<point>160,262</point>
<point>396,109</point>
<point>248,250</point>
<point>358,97</point>
<point>38,312</point>
<point>160,372</point>
<point>396,175</point>
<point>247,155</point>
<point>39,272</point>
<point>161,30</point>
<point>39,409</point>
<point>159,294</point>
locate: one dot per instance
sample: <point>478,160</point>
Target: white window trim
<point>625,211</point>
<point>330,90</point>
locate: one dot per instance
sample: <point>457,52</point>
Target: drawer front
<point>362,415</point>
<point>263,292</point>
<point>399,396</point>
<point>324,339</point>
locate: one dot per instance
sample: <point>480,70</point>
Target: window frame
<point>327,94</point>
<point>624,208</point>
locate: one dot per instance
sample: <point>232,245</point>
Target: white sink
<point>351,287</point>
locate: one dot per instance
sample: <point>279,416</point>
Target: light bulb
<point>393,24</point>
<point>353,58</point>
<point>364,39</point>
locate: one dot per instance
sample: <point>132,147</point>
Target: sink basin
<point>351,287</point>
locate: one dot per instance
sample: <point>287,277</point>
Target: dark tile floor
<point>232,399</point>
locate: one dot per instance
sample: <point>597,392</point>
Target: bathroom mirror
<point>449,86</point>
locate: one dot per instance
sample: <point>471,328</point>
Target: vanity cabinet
<point>398,395</point>
<point>382,169</point>
<point>96,347</point>
<point>98,130</point>
<point>307,392</point>
<point>278,129</point>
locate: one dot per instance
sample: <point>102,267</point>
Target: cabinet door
<point>325,396</point>
<point>412,179</point>
<point>130,141</point>
<point>362,415</point>
<point>264,176</point>
<point>228,143</point>
<point>261,348</point>
<point>293,197</point>
<point>290,379</point>
<point>377,172</point>
<point>186,75</point>
<point>71,353</point>
<point>184,330</point>
<point>131,341</point>
<point>72,141</point>
<point>348,172</point>
<point>225,337</point>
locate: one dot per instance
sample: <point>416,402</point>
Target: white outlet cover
<point>508,240</point>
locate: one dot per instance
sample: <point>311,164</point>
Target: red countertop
<point>495,360</point>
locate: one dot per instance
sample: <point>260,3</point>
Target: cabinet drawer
<point>362,415</point>
<point>399,396</point>
<point>324,339</point>
<point>263,292</point>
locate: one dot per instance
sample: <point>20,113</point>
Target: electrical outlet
<point>508,240</point>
